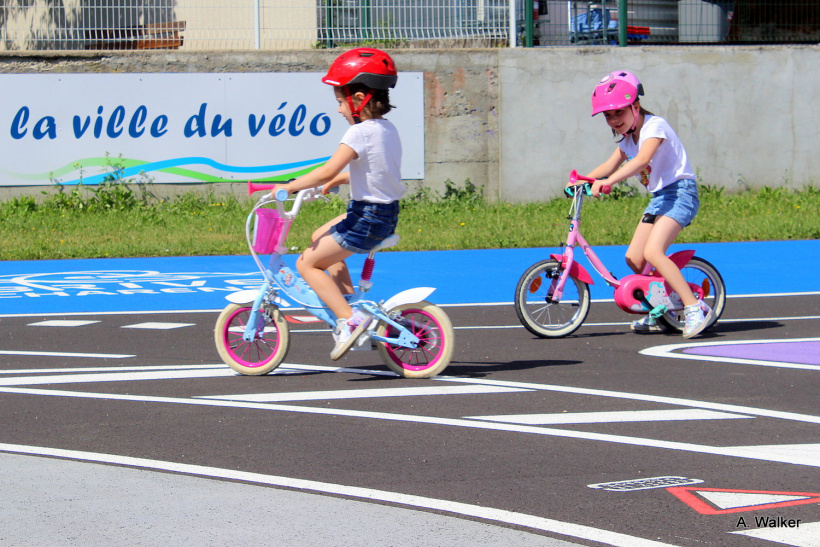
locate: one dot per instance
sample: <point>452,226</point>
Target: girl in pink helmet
<point>650,149</point>
<point>371,148</point>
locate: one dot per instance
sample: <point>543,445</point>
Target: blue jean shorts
<point>678,201</point>
<point>366,225</point>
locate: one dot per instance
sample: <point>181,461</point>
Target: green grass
<point>125,220</point>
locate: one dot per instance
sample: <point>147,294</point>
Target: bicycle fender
<point>682,258</point>
<point>248,296</point>
<point>242,297</point>
<point>576,271</point>
<point>410,296</point>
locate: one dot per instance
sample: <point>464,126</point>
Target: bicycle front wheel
<point>536,309</point>
<point>261,355</point>
<point>434,330</point>
<point>707,283</point>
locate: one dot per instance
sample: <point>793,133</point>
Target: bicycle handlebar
<point>574,177</point>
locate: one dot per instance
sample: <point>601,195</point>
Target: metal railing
<point>218,25</point>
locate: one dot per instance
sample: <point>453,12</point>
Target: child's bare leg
<point>663,234</point>
<point>312,265</point>
<point>635,253</point>
<point>338,272</point>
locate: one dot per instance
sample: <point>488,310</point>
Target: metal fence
<point>221,25</point>
<point>677,21</point>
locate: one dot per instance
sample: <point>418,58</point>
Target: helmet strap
<point>354,111</point>
<point>635,113</point>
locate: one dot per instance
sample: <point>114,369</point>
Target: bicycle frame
<point>552,297</point>
<point>279,277</point>
<point>575,238</point>
<point>623,287</point>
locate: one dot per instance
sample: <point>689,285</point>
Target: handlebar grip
<point>606,189</point>
<point>281,194</point>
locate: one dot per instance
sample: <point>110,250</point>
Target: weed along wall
<point>514,121</point>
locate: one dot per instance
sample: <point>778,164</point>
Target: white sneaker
<point>346,333</point>
<point>698,317</point>
<point>647,324</point>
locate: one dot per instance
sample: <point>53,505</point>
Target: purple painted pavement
<point>806,353</point>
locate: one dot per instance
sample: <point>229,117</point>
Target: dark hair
<point>379,103</point>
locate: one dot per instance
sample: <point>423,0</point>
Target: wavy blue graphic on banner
<point>195,160</point>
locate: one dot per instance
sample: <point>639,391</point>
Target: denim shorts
<point>366,225</point>
<point>678,201</point>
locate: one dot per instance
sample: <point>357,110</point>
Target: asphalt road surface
<point>127,429</point>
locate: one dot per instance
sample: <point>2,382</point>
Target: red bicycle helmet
<point>365,65</point>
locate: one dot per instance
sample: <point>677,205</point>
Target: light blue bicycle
<point>413,337</point>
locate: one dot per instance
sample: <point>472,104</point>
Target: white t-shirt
<point>669,164</point>
<point>375,176</point>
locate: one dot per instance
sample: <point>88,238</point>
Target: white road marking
<point>63,354</point>
<point>802,451</point>
<point>158,326</point>
<point>363,393</point>
<point>668,350</point>
<point>62,323</point>
<point>115,377</point>
<point>806,535</point>
<point>610,417</point>
<point>640,397</point>
<point>104,369</point>
<point>366,494</point>
<point>745,452</point>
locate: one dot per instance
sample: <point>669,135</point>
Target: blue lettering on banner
<point>119,123</point>
<point>45,126</point>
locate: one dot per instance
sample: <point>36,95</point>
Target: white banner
<point>182,128</point>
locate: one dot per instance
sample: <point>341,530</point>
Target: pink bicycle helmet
<point>368,66</point>
<point>616,90</point>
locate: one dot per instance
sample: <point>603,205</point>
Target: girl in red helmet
<point>371,148</point>
<point>650,149</point>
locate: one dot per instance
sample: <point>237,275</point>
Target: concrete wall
<point>747,115</point>
<point>517,121</point>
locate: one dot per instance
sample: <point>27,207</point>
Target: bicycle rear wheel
<point>261,355</point>
<point>536,309</point>
<point>434,330</point>
<point>707,284</point>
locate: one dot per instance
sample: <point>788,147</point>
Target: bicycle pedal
<point>363,343</point>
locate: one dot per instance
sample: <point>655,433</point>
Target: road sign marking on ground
<point>611,417</point>
<point>720,501</point>
<point>644,484</point>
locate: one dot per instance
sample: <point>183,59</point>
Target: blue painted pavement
<point>461,277</point>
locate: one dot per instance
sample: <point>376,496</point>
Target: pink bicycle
<point>552,297</point>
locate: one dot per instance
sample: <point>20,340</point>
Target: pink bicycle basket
<point>269,232</point>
